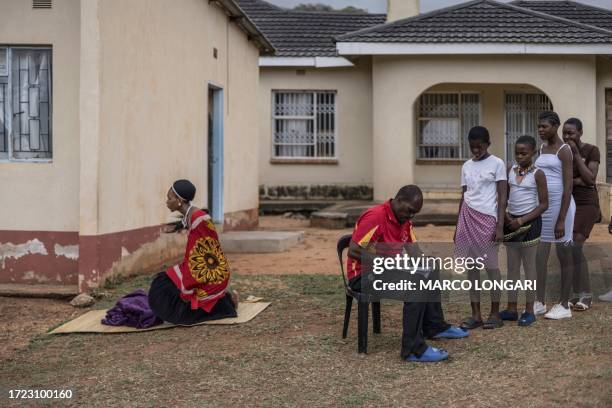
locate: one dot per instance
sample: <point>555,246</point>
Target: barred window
<point>304,124</point>
<point>444,120</point>
<point>522,111</point>
<point>25,104</point>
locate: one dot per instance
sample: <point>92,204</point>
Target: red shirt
<point>378,225</point>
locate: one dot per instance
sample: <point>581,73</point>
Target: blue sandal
<point>508,315</point>
<point>526,319</point>
<point>431,355</point>
<point>452,332</point>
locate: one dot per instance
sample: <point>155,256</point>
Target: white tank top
<point>523,197</point>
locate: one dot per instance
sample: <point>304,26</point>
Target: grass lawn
<point>293,355</point>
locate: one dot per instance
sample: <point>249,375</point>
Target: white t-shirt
<point>481,179</point>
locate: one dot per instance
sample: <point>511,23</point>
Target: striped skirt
<point>475,236</point>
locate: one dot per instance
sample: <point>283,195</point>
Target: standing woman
<point>195,290</point>
<point>586,165</point>
<point>480,222</point>
<point>527,200</point>
<point>558,220</point>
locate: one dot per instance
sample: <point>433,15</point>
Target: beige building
<point>103,103</point>
<point>407,89</point>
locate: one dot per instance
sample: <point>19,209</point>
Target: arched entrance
<point>444,114</point>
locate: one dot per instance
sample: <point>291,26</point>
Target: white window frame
<point>9,108</point>
<point>313,118</point>
<point>462,137</point>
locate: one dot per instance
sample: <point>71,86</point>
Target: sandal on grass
<point>582,305</point>
<point>492,323</point>
<point>470,323</point>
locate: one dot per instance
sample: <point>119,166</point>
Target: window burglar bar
<point>444,120</point>
<point>522,112</point>
<point>304,124</point>
<point>25,104</point>
<point>3,120</point>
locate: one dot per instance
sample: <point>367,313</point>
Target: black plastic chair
<point>363,304</point>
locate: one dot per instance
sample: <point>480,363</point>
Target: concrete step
<point>272,207</point>
<point>38,291</point>
<point>435,211</point>
<point>259,242</point>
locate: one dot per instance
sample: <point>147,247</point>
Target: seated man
<point>389,223</point>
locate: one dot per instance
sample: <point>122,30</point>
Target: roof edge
<point>587,6</point>
<point>469,4</point>
<point>314,62</point>
<point>481,48</point>
<point>418,17</point>
<point>551,17</point>
<point>238,16</point>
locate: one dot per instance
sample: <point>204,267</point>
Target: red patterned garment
<point>204,274</point>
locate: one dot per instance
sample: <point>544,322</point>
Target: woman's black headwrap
<point>184,189</point>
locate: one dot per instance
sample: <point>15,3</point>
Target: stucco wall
<point>45,196</point>
<point>354,125</point>
<point>604,81</point>
<point>492,98</point>
<point>156,60</point>
<point>570,82</point>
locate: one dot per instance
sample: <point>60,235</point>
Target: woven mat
<point>90,321</point>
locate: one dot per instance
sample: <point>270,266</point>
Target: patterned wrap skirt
<point>475,236</point>
<point>166,303</point>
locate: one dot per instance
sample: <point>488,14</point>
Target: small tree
<point>351,9</point>
<point>313,7</point>
<point>327,8</point>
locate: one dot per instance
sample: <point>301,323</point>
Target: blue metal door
<point>215,153</point>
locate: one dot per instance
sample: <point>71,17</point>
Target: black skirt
<point>166,303</point>
<point>527,235</point>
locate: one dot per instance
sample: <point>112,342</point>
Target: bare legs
<point>526,256</point>
<point>581,278</point>
<point>564,253</point>
<point>474,276</point>
<point>542,255</point>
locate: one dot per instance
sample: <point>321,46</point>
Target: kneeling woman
<point>195,290</point>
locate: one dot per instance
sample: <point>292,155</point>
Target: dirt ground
<point>293,354</point>
<point>317,254</point>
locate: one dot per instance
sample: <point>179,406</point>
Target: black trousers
<point>420,320</point>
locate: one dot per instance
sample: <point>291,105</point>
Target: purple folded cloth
<point>132,310</point>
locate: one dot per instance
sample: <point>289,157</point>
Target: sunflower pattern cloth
<point>203,275</point>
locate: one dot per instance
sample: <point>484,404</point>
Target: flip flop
<point>493,323</point>
<point>470,323</point>
<point>581,306</point>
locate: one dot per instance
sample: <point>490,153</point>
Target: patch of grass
<point>315,285</point>
<point>293,355</point>
<point>358,399</point>
<point>38,342</point>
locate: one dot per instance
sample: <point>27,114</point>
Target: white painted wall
<point>354,125</point>
<point>570,82</point>
<point>45,196</point>
<point>155,65</point>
